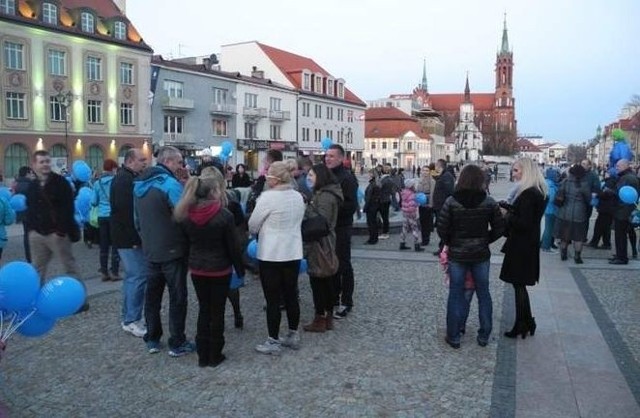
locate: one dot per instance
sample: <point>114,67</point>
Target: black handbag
<point>314,225</point>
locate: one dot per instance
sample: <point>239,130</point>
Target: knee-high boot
<point>234,298</point>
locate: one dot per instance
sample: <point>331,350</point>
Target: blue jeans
<point>136,272</point>
<point>547,236</point>
<point>457,304</point>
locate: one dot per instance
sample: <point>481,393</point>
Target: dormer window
<point>120,30</point>
<point>87,22</point>
<point>306,81</point>
<point>8,7</point>
<point>330,87</point>
<point>340,89</point>
<point>49,13</point>
<point>318,84</point>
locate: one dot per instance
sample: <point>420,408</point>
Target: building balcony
<point>222,109</point>
<point>279,115</point>
<point>254,112</point>
<point>177,103</point>
<point>174,138</point>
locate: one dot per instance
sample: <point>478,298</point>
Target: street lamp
<point>65,100</point>
<point>601,144</point>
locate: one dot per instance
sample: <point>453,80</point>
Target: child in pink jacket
<point>410,215</point>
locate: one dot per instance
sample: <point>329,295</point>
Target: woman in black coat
<point>240,177</point>
<point>521,265</point>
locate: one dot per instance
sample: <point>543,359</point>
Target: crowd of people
<point>162,223</point>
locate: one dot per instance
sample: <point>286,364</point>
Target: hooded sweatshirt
<point>213,245</point>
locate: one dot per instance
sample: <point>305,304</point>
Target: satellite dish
<point>213,59</point>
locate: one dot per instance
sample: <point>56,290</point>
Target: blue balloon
<point>326,143</point>
<point>5,193</point>
<point>36,326</point>
<point>81,171</point>
<point>360,194</point>
<point>227,147</point>
<point>252,249</point>
<point>60,297</point>
<point>304,266</point>
<point>628,194</point>
<point>421,199</point>
<point>236,281</point>
<point>85,193</point>
<point>18,202</point>
<point>19,285</point>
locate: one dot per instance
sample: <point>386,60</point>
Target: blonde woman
<point>276,221</point>
<point>213,252</point>
<point>521,265</point>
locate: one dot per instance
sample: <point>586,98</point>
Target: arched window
<point>58,151</point>
<point>95,158</point>
<point>123,150</point>
<point>15,156</point>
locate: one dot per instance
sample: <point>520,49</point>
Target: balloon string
<point>1,322</point>
<point>12,328</point>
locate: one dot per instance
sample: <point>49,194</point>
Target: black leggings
<point>280,280</point>
<point>323,294</point>
<point>523,306</point>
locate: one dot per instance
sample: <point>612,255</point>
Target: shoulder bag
<point>314,225</point>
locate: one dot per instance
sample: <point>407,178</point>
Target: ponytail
<point>188,199</point>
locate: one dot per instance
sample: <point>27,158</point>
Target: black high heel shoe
<point>520,328</point>
<point>532,326</point>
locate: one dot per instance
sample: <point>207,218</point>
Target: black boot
<point>418,248</point>
<point>577,257</point>
<point>563,254</point>
<point>519,328</point>
<point>403,246</point>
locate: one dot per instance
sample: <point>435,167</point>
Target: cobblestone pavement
<point>388,358</point>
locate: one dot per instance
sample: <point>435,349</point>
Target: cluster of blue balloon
<point>81,172</point>
<point>326,143</point>
<point>18,202</point>
<point>32,310</point>
<point>252,252</point>
<point>628,194</point>
<point>225,151</point>
<point>421,199</point>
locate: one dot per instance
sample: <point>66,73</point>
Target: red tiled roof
<point>291,64</point>
<point>524,145</point>
<point>452,102</point>
<point>104,8</point>
<point>386,113</point>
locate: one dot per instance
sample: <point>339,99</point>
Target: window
<point>274,104</point>
<point>87,22</point>
<point>250,100</point>
<point>15,156</point>
<point>305,134</point>
<point>341,115</point>
<point>94,69</point>
<point>330,87</point>
<point>13,56</point>
<point>349,137</point>
<point>49,13</point>
<point>57,112</point>
<point>394,145</point>
<point>409,146</point>
<point>373,145</point>
<point>306,85</point>
<point>8,7</point>
<point>173,88</point>
<point>94,111</point>
<point>16,106</point>
<point>57,62</point>
<point>250,130</point>
<point>318,84</point>
<point>329,113</point>
<point>274,132</point>
<point>173,124</point>
<point>219,127</point>
<point>341,90</point>
<point>384,144</point>
<point>126,114</point>
<point>120,30</point>
<point>317,134</point>
<point>318,111</point>
<point>349,115</point>
<point>329,134</point>
<point>306,109</point>
<point>126,73</point>
<point>220,96</point>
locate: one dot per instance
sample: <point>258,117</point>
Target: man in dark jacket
<point>442,189</point>
<point>626,177</point>
<point>156,192</point>
<point>343,281</point>
<point>50,217</point>
<point>125,238</point>
<point>388,190</point>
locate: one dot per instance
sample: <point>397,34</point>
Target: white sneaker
<point>292,340</point>
<point>135,329</point>
<point>383,236</point>
<point>271,346</point>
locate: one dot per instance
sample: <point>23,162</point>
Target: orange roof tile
<point>390,122</point>
<point>452,102</point>
<point>386,113</point>
<point>290,64</point>
<point>528,146</point>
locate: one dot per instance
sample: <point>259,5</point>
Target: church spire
<point>467,90</point>
<point>423,85</point>
<point>505,38</point>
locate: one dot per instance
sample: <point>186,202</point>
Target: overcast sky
<point>577,62</point>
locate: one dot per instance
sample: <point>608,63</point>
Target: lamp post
<point>601,144</point>
<point>65,100</point>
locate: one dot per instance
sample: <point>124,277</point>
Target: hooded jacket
<point>101,195</point>
<point>156,192</point>
<point>468,222</point>
<point>213,245</point>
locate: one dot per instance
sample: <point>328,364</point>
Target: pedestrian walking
<point>622,213</point>
<point>410,217</point>
<point>425,185</point>
<point>102,200</point>
<point>372,197</point>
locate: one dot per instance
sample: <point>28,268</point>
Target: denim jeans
<point>136,272</point>
<point>173,275</point>
<point>456,303</point>
<point>547,236</point>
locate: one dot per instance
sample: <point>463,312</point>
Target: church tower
<point>468,137</point>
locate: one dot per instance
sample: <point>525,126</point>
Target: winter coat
<point>468,222</point>
<point>425,185</point>
<point>607,197</point>
<point>577,198</point>
<point>409,205</point>
<point>551,209</point>
<point>349,185</point>
<point>240,180</point>
<point>276,220</point>
<point>213,242</point>
<point>51,208</point>
<point>101,195</point>
<point>327,202</point>
<point>521,264</point>
<point>7,217</point>
<point>156,192</point>
<point>372,195</point>
<point>623,210</point>
<point>387,188</point>
<point>442,189</point>
<point>123,230</point>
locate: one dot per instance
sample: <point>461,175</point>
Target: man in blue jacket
<point>156,192</point>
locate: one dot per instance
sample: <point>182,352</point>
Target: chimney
<point>122,5</point>
<point>255,73</point>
